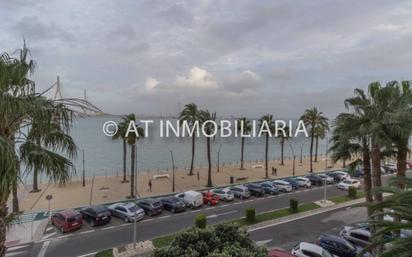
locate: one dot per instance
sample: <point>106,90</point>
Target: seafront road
<point>88,241</point>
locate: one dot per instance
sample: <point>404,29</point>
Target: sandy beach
<point>110,189</point>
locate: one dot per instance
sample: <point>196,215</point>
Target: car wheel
<point>173,210</point>
<point>126,220</point>
<point>209,203</point>
<point>149,213</point>
<point>62,230</point>
<point>92,223</point>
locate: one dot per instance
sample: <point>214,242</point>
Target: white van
<point>192,199</point>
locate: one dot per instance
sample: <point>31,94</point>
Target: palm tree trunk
<point>401,159</point>
<point>241,153</point>
<point>15,196</point>
<point>193,156</point>
<point>377,183</point>
<point>209,172</point>
<point>266,154</point>
<point>282,144</point>
<point>316,148</point>
<point>367,178</point>
<point>35,180</point>
<point>132,171</point>
<point>3,229</point>
<point>311,151</point>
<point>344,163</point>
<point>124,161</point>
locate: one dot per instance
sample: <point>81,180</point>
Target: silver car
<point>127,211</point>
<point>241,192</point>
<point>357,235</point>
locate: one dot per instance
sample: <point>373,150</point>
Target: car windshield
<point>134,208</point>
<point>99,209</point>
<point>156,204</point>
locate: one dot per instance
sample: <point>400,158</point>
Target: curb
<point>302,215</point>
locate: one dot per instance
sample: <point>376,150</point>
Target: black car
<point>337,246</point>
<point>96,215</point>
<point>173,204</point>
<point>151,206</point>
<point>255,189</point>
<point>269,188</point>
<point>315,180</point>
<point>292,182</point>
<point>333,175</point>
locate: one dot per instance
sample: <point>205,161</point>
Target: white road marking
<point>43,249</point>
<point>220,214</point>
<point>106,228</point>
<point>87,254</point>
<point>14,253</point>
<point>13,248</point>
<point>263,242</point>
<point>88,231</point>
<point>49,235</point>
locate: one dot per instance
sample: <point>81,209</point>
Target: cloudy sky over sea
<point>234,57</point>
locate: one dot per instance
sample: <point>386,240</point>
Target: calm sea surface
<point>103,156</point>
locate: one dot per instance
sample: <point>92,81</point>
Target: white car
<point>345,184</point>
<point>324,177</point>
<point>303,182</point>
<point>126,211</point>
<point>342,175</point>
<point>282,185</point>
<point>309,250</point>
<point>192,199</point>
<point>224,194</point>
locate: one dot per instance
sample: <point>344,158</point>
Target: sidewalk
<point>22,233</point>
<point>110,189</point>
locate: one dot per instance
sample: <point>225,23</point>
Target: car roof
<point>69,213</point>
<point>311,247</point>
<point>333,237</point>
<point>276,252</point>
<point>281,181</point>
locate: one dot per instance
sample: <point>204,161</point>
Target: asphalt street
<point>88,240</point>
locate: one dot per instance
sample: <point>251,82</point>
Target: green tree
<point>266,121</point>
<point>135,133</point>
<point>207,120</point>
<point>313,118</point>
<point>121,133</point>
<point>217,241</point>
<point>283,138</point>
<point>190,114</point>
<point>243,126</point>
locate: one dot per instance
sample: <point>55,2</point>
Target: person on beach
<point>150,185</point>
<point>274,171</point>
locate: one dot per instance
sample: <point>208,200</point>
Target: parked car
<point>357,173</point>
<point>96,215</point>
<point>324,177</point>
<point>342,175</point>
<point>282,186</point>
<point>277,252</point>
<point>192,199</point>
<point>151,206</point>
<point>409,164</point>
<point>127,211</point>
<point>67,220</point>
<point>292,182</point>
<point>359,236</point>
<point>255,189</point>
<point>349,183</point>
<point>210,198</point>
<point>303,182</point>
<point>269,188</point>
<point>334,175</point>
<point>173,204</point>
<point>224,194</point>
<point>390,167</point>
<point>314,180</point>
<point>337,246</point>
<point>240,191</point>
<point>310,250</point>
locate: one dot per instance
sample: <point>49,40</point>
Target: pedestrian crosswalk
<point>17,251</point>
<point>24,218</point>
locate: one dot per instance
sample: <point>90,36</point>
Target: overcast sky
<point>233,57</point>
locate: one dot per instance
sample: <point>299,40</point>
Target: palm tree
<point>397,204</point>
<point>38,152</point>
<point>283,137</point>
<point>266,120</point>
<point>121,133</point>
<point>21,108</point>
<point>312,118</point>
<point>190,114</point>
<point>131,140</point>
<point>243,126</point>
<point>206,120</point>
<point>320,133</point>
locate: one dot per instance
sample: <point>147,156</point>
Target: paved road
<point>87,241</point>
<point>287,235</point>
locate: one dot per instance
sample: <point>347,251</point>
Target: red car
<point>277,252</point>
<point>210,198</point>
<point>409,164</point>
<point>67,220</point>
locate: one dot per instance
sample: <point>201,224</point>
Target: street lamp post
<point>84,172</point>
<point>326,169</point>
<point>218,153</point>
<point>173,171</point>
<point>294,158</point>
<point>135,200</point>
